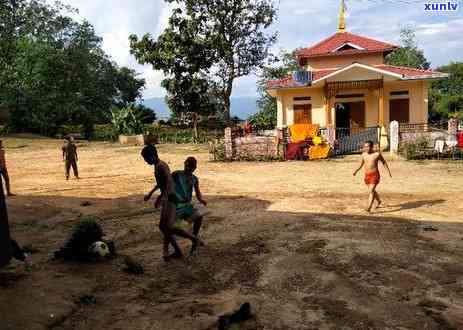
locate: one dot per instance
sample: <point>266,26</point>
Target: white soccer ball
<point>100,248</point>
<point>202,210</point>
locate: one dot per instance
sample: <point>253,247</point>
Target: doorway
<point>399,110</point>
<point>350,115</point>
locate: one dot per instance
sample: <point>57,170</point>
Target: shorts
<point>372,178</point>
<point>186,211</point>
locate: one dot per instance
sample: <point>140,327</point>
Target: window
<point>302,98</point>
<point>302,114</point>
<point>399,93</point>
<point>348,96</point>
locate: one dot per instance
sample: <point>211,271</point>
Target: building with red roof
<point>344,82</point>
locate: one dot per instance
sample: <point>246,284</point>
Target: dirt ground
<point>291,238</point>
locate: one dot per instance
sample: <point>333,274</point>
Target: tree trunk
<point>227,101</point>
<point>195,127</point>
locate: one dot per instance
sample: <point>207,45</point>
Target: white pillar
<point>394,136</point>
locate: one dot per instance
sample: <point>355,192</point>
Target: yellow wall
<point>285,102</point>
<point>334,62</point>
<point>418,96</point>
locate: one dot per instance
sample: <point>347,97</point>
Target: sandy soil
<point>290,238</point>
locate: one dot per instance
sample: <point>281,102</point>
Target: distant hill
<point>241,107</point>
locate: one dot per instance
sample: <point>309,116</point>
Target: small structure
<point>344,83</point>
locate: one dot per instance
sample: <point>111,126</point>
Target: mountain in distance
<point>241,107</point>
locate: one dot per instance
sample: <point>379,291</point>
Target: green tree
<point>54,72</point>
<point>266,117</point>
<point>446,96</point>
<point>184,57</point>
<point>409,54</point>
<point>221,39</point>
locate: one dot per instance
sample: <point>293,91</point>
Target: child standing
<point>370,160</point>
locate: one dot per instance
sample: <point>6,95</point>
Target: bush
<point>84,234</point>
<point>217,151</point>
<point>105,133</point>
<point>415,149</point>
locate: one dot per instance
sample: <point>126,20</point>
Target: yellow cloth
<point>317,140</point>
<point>321,151</point>
<point>301,132</point>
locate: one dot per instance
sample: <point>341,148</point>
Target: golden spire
<point>342,18</point>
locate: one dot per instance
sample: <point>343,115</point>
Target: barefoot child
<point>70,157</point>
<point>167,202</point>
<point>370,160</point>
<point>185,181</point>
<point>4,170</point>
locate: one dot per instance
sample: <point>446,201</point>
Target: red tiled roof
<point>328,46</point>
<point>407,73</point>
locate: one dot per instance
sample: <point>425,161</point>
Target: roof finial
<point>342,18</point>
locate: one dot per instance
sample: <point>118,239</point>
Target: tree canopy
<point>266,117</point>
<point>214,42</point>
<point>408,54</point>
<point>53,70</point>
<point>446,96</point>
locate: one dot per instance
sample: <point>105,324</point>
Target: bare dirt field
<point>291,238</point>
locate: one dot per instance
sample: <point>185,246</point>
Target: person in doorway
<point>370,160</point>
<point>70,157</point>
<point>167,201</point>
<point>4,170</point>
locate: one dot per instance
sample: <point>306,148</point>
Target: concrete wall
<point>286,102</point>
<point>417,95</point>
<point>418,98</point>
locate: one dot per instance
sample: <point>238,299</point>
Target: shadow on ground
<point>298,270</point>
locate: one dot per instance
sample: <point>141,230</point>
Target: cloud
<point>300,23</point>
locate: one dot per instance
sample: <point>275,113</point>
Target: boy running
<point>370,160</point>
<point>185,181</point>
<point>70,158</point>
<point>167,201</point>
<point>4,170</point>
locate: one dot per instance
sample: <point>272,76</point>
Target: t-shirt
<point>70,151</point>
<point>184,184</point>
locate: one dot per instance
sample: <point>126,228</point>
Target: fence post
<point>394,136</point>
<point>453,126</point>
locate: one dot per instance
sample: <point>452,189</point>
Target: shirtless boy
<point>4,170</point>
<point>370,160</point>
<point>167,202</point>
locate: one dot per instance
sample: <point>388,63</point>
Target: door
<point>302,114</point>
<point>399,110</point>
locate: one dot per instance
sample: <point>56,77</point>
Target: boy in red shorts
<point>370,160</point>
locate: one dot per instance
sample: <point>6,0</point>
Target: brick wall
<point>251,146</point>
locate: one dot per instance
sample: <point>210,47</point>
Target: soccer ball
<point>100,249</point>
<point>202,210</point>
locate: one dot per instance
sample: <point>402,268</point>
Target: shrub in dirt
<point>84,234</point>
<point>414,149</point>
<point>217,150</point>
<point>133,266</point>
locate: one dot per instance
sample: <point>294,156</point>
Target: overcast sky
<point>300,23</point>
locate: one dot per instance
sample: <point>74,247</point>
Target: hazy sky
<point>300,23</point>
